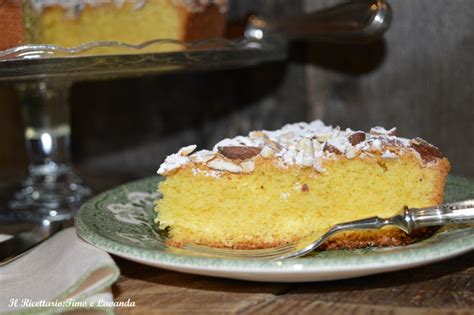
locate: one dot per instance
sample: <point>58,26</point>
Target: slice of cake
<point>75,22</point>
<point>275,187</point>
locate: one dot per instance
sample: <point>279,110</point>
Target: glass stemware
<point>52,190</point>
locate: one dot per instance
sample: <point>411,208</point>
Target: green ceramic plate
<point>120,221</point>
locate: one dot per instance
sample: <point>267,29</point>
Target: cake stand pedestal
<point>43,74</point>
<point>52,190</point>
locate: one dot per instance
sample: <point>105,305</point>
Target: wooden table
<point>442,288</point>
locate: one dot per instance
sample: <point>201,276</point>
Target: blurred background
<point>419,78</point>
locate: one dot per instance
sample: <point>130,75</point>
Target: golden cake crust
<point>11,24</point>
<point>345,240</point>
<point>209,23</point>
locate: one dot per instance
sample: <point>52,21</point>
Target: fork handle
<point>461,212</point>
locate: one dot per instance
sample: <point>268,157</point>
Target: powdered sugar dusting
<point>382,131</point>
<point>74,8</point>
<point>389,155</point>
<point>172,162</point>
<point>175,161</point>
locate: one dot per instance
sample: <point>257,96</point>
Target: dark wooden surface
<point>442,288</point>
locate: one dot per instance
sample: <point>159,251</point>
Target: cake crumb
<point>297,186</point>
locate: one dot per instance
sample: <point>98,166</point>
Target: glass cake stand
<point>43,74</point>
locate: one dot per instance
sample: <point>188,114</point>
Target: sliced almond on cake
<point>221,165</point>
<point>239,152</point>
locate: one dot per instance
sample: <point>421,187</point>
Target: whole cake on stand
<point>76,22</point>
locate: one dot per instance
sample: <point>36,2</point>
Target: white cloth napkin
<point>62,274</point>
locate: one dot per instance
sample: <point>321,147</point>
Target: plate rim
<point>48,51</point>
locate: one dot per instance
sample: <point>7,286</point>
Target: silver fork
<point>461,212</point>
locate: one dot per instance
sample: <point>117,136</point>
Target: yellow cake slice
<point>275,187</point>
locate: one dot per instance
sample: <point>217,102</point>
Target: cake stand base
<point>50,193</point>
